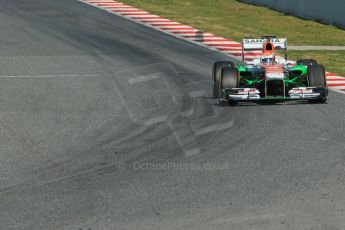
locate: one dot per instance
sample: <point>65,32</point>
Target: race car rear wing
<point>257,44</point>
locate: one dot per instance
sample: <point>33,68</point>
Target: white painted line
<point>336,87</point>
<point>95,1</point>
<point>336,82</point>
<point>143,13</point>
<point>245,56</point>
<point>174,26</point>
<point>129,9</point>
<point>105,4</point>
<point>202,39</point>
<point>114,6</point>
<point>248,57</point>
<point>164,23</point>
<point>235,51</point>
<point>182,30</point>
<point>197,35</point>
<point>132,13</point>
<point>221,43</point>
<point>143,78</point>
<point>232,47</point>
<point>152,20</point>
<point>224,46</point>
<point>100,1</point>
<point>335,78</point>
<point>144,16</point>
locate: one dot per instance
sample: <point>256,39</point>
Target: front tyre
<point>229,78</point>
<point>316,77</point>
<point>216,72</point>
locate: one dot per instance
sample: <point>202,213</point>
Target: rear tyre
<point>317,78</point>
<point>229,78</point>
<point>216,72</point>
<point>307,62</point>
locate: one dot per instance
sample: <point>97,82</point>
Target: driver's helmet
<point>267,60</point>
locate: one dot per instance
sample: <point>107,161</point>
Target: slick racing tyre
<point>306,62</point>
<point>229,78</point>
<point>317,78</point>
<point>216,71</point>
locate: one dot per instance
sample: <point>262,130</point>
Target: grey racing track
<point>107,124</point>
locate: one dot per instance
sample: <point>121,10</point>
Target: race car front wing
<point>253,94</point>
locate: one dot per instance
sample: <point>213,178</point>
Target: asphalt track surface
<point>107,124</point>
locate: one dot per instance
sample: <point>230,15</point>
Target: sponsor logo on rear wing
<point>257,44</point>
